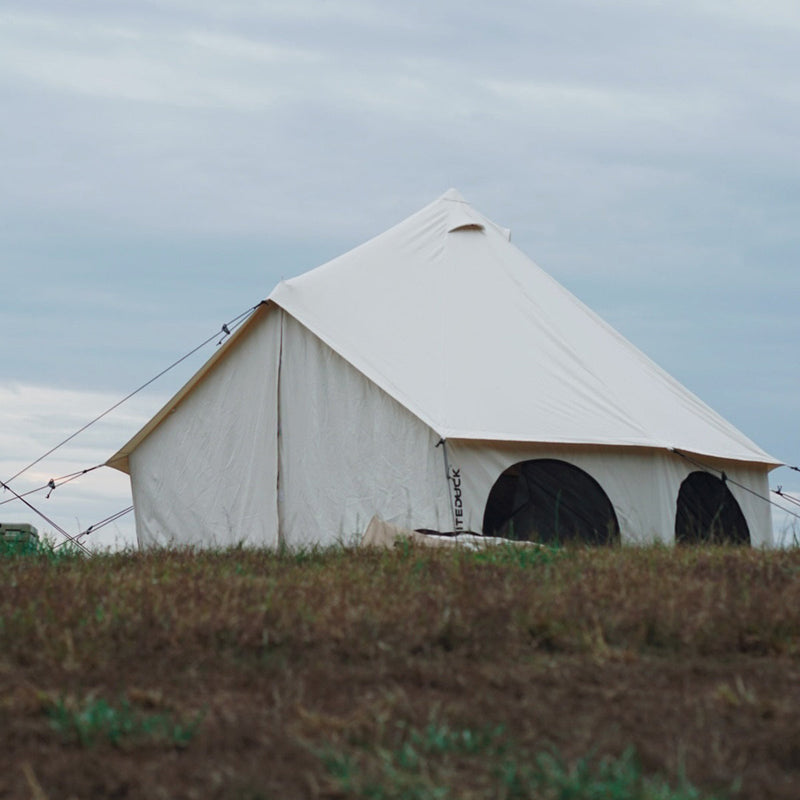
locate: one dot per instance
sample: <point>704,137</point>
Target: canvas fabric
<point>207,474</point>
<point>349,451</point>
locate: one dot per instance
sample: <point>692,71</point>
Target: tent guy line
<point>54,483</point>
<point>98,525</point>
<point>725,478</point>
<point>67,536</point>
<point>779,491</point>
<point>226,329</point>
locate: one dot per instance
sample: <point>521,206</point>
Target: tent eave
<point>497,437</point>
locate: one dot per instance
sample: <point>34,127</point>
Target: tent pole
<point>443,443</point>
<point>278,437</point>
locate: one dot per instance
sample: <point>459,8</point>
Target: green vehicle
<point>18,533</point>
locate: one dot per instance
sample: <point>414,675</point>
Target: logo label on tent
<point>458,502</point>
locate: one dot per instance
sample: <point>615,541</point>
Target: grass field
<point>655,673</point>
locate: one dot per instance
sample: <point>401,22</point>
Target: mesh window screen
<point>550,501</point>
<point>708,513</point>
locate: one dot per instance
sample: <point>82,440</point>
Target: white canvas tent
<point>407,376</point>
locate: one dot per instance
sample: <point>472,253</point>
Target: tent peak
<point>454,195</point>
<point>461,216</point>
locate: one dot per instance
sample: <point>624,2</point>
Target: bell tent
<point>435,376</point>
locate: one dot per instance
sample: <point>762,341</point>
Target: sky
<point>166,162</point>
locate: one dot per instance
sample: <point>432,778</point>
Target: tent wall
<point>642,484</point>
<point>348,450</point>
<point>207,474</point>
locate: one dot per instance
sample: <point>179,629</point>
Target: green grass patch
<point>93,721</point>
<point>509,555</point>
<point>429,763</point>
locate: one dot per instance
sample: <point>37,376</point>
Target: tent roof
<point>458,325</point>
<point>461,327</point>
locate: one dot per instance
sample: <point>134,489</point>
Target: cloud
<point>230,112</point>
<point>173,68</point>
<point>772,15</point>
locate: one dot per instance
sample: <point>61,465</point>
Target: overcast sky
<point>165,162</point>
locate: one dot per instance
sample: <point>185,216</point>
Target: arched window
<point>708,513</point>
<point>550,501</point>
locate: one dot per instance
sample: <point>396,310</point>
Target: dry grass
<point>689,655</point>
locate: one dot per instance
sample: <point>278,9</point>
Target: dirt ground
<point>690,659</point>
<point>719,722</point>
